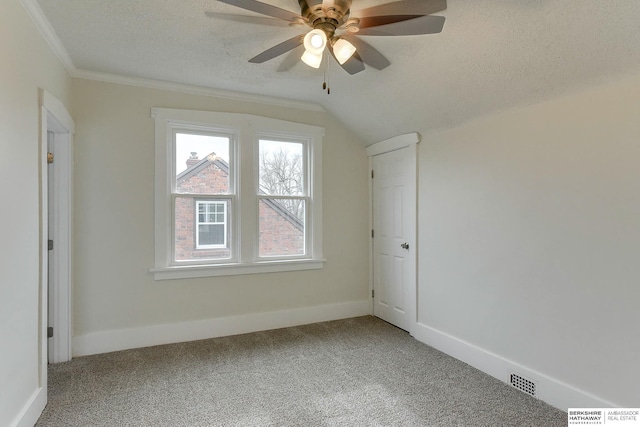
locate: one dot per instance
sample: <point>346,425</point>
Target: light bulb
<point>315,41</point>
<point>311,59</point>
<point>343,50</point>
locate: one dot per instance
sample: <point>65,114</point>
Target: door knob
<point>405,246</point>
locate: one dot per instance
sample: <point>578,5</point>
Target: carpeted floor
<point>354,372</point>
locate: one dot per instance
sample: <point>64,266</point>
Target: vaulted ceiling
<point>491,55</point>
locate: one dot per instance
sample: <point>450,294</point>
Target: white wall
<point>26,64</point>
<point>118,304</point>
<point>530,244</point>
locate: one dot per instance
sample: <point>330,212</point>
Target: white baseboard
<point>124,339</point>
<point>32,409</point>
<point>552,391</point>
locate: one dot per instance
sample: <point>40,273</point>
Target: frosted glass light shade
<point>315,41</point>
<point>311,59</point>
<point>343,50</point>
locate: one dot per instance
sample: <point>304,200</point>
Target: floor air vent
<point>523,384</point>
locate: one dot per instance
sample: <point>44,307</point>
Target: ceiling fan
<point>333,29</point>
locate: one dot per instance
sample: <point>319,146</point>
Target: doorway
<point>393,215</point>
<point>56,201</point>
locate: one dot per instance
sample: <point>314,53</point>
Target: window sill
<point>193,271</point>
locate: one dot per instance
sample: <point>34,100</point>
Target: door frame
<point>409,140</point>
<point>55,118</point>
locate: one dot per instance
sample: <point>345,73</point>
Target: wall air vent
<point>523,384</point>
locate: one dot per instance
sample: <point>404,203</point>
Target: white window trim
<point>249,128</point>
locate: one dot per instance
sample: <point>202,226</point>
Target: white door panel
<point>394,213</point>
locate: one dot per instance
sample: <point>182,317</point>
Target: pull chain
<point>325,85</point>
<point>325,73</point>
<point>324,78</point>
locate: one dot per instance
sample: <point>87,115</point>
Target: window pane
<point>281,168</point>
<point>202,236</point>
<point>281,227</point>
<point>202,164</point>
<point>210,234</point>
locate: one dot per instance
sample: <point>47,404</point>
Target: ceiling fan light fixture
<point>343,50</point>
<point>311,59</point>
<point>315,41</point>
<point>329,21</point>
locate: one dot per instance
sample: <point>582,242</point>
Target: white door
<point>51,295</point>
<point>57,202</point>
<point>394,230</point>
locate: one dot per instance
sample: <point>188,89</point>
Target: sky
<point>204,145</point>
<point>201,144</point>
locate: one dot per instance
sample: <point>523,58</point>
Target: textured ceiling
<point>491,55</point>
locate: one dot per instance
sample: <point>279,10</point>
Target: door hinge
<point>50,332</point>
<point>50,245</point>
<point>371,173</point>
<point>373,293</point>
<point>49,157</point>
<point>372,234</point>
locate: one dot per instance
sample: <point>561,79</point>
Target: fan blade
<point>264,9</point>
<point>353,65</point>
<point>259,20</point>
<point>278,49</point>
<point>291,59</point>
<point>376,21</point>
<point>368,53</point>
<point>411,27</point>
<point>404,7</point>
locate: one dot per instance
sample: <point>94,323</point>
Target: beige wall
<point>530,237</point>
<point>26,64</point>
<point>114,230</point>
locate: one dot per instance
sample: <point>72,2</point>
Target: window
<point>202,193</point>
<point>235,194</point>
<point>282,196</point>
<point>212,225</point>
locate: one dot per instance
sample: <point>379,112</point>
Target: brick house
<point>202,224</point>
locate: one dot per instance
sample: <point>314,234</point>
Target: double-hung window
<point>235,194</point>
<point>282,197</point>
<point>211,219</point>
<point>202,193</point>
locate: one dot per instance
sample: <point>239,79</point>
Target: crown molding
<point>42,23</point>
<point>195,90</point>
